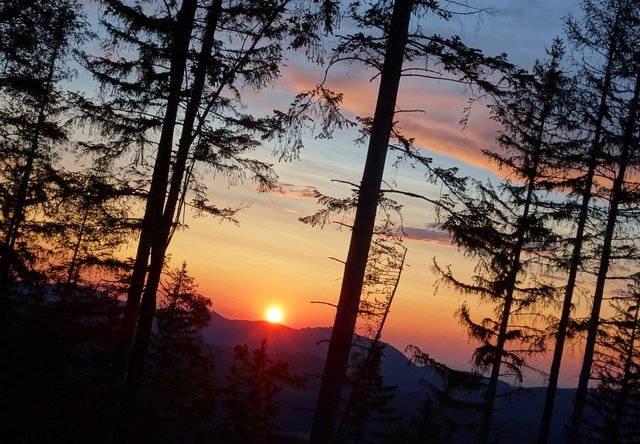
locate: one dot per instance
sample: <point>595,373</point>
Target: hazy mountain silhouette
<point>517,417</point>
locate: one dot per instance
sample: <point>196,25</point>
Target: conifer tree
<point>602,32</point>
<point>180,394</point>
<point>368,403</point>
<point>180,79</point>
<point>616,365</point>
<point>504,228</point>
<point>37,38</point>
<point>87,221</point>
<point>625,162</point>
<point>453,61</point>
<point>455,394</point>
<point>249,397</point>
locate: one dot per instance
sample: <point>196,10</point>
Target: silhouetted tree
<point>37,37</point>
<point>453,395</point>
<point>601,33</point>
<point>249,396</point>
<point>504,228</point>
<point>625,160</point>
<point>87,222</point>
<point>213,48</point>
<point>389,20</point>
<point>368,402</point>
<point>616,366</point>
<point>179,395</point>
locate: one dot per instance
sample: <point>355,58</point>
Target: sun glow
<point>274,314</point>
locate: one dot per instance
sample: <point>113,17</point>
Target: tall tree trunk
<point>576,254</point>
<point>343,329</point>
<point>523,226</point>
<point>626,385</point>
<point>160,241</point>
<point>17,212</point>
<point>374,351</point>
<point>73,272</point>
<point>594,319</point>
<point>190,128</point>
<point>181,38</point>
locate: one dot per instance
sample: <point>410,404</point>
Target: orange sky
<point>272,259</point>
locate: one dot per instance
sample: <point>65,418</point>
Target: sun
<point>274,314</point>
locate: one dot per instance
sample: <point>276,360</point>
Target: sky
<point>272,259</point>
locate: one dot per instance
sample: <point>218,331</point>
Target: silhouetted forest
<point>100,347</point>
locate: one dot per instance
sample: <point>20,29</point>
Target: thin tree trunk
<point>342,334</point>
<point>576,254</point>
<point>189,132</point>
<point>523,226</point>
<point>594,320</point>
<point>368,360</point>
<point>492,386</point>
<point>74,268</point>
<point>627,381</point>
<point>154,206</point>
<point>17,213</point>
<point>160,241</point>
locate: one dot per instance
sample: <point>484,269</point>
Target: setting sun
<point>274,314</point>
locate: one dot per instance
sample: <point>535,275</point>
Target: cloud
<point>428,235</point>
<point>435,124</point>
<point>297,191</point>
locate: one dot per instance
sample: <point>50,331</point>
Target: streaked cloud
<point>427,235</point>
<point>297,191</point>
<point>431,111</point>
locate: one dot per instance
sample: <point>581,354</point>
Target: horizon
<point>528,382</point>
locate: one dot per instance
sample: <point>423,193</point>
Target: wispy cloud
<point>297,191</point>
<point>433,122</point>
<point>427,235</point>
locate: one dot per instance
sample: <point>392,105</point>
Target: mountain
<point>309,346</point>
<point>516,417</point>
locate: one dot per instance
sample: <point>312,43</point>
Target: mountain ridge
<point>305,349</point>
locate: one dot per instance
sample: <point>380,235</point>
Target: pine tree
<point>368,403</point>
<point>193,56</point>
<point>38,37</point>
<point>249,402</point>
<point>616,366</point>
<point>391,21</point>
<point>602,33</point>
<point>623,153</point>
<point>87,220</point>
<point>505,227</point>
<point>455,394</point>
<point>179,396</point>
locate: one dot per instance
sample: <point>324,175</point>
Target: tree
<point>455,394</point>
<point>387,55</point>
<point>616,369</point>
<point>251,386</point>
<point>368,400</point>
<point>625,161</point>
<point>179,395</point>
<point>214,49</point>
<point>601,33</point>
<point>37,38</point>
<point>87,221</point>
<point>506,228</point>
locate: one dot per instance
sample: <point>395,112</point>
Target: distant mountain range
<point>516,417</point>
